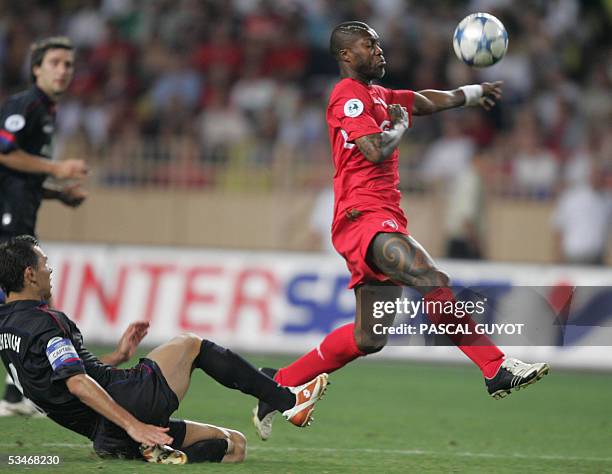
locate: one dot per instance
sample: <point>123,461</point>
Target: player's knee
<point>191,340</point>
<point>439,278</point>
<point>239,442</point>
<point>369,343</point>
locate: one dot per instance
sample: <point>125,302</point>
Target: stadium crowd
<point>216,93</point>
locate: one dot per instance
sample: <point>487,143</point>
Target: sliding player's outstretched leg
<point>182,354</point>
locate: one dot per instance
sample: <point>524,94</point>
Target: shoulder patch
<point>353,108</point>
<point>14,123</point>
<point>61,353</point>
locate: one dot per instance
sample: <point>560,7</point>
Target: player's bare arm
<point>127,345</point>
<point>430,101</point>
<point>94,396</point>
<point>19,160</point>
<point>378,147</point>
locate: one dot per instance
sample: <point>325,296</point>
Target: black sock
<point>262,407</point>
<point>234,372</point>
<point>208,450</point>
<point>12,393</point>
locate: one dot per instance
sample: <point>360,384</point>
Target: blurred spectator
<point>178,82</point>
<point>86,26</point>
<point>186,171</point>
<point>465,212</point>
<point>535,169</point>
<point>320,222</point>
<point>581,222</point>
<point>450,154</point>
<point>221,126</point>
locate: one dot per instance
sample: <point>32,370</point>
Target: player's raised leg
<point>405,261</point>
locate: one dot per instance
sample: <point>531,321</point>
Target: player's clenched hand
<point>148,434</point>
<point>491,92</point>
<point>72,195</point>
<point>70,169</point>
<point>398,115</point>
<point>132,336</point>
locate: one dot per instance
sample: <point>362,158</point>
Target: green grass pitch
<point>382,417</point>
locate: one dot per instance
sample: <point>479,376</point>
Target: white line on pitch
<point>420,452</point>
<point>401,452</point>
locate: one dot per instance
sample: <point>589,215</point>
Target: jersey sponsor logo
<point>14,123</point>
<point>9,341</point>
<point>61,353</point>
<point>390,224</point>
<point>353,108</point>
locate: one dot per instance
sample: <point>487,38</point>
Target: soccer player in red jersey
<point>366,123</point>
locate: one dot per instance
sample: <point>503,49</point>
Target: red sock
<point>479,348</point>
<point>335,351</point>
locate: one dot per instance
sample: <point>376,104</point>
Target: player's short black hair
<point>16,254</point>
<point>39,48</point>
<point>344,33</point>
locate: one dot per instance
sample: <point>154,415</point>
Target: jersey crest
<point>353,108</point>
<point>14,123</point>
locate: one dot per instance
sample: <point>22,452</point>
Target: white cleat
<point>514,375</point>
<point>162,454</point>
<point>23,408</point>
<point>263,427</point>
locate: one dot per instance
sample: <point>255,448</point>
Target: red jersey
<point>356,109</point>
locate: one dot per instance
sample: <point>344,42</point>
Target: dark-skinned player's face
<point>365,56</point>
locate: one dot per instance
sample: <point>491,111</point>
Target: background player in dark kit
<point>366,123</point>
<point>27,126</point>
<point>121,410</point>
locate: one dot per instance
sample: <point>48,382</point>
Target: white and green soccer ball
<point>480,40</point>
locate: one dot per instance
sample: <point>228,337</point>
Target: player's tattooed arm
<point>378,147</point>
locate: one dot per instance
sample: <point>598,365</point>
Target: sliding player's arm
<point>429,101</point>
<point>94,396</point>
<point>379,146</point>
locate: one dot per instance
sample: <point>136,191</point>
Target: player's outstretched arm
<point>94,396</point>
<point>19,160</point>
<point>430,101</point>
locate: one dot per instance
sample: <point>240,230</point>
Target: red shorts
<point>352,237</point>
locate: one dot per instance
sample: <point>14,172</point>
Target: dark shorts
<point>144,392</point>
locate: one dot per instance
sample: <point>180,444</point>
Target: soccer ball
<point>480,40</point>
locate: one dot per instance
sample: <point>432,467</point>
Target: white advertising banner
<point>276,302</point>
